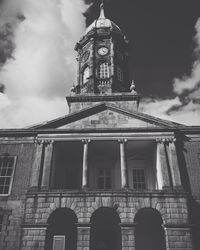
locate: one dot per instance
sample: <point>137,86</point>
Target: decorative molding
<point>83,225</point>
<point>178,226</point>
<point>127,225</point>
<point>34,226</point>
<point>100,98</point>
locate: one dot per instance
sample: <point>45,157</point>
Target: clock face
<point>85,56</point>
<point>103,51</point>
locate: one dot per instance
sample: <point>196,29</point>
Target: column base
<point>85,188</point>
<point>125,188</point>
<point>35,188</point>
<point>44,188</point>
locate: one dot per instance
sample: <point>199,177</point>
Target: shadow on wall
<point>193,205</point>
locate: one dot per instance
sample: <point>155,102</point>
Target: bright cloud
<point>44,66</point>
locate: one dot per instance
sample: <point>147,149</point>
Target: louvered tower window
<point>86,74</point>
<point>104,71</point>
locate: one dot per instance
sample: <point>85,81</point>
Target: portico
<point>108,163</point>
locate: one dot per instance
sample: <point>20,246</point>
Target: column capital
<point>122,140</point>
<point>86,141</point>
<point>165,140</point>
<point>44,142</point>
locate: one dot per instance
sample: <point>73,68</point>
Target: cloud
<point>185,106</point>
<point>43,66</point>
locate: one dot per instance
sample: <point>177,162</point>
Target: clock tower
<point>102,64</point>
<point>103,58</point>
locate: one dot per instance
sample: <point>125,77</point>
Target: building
<point>105,176</point>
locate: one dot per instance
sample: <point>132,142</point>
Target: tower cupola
<point>102,58</point>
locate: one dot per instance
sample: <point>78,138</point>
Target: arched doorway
<point>149,233</point>
<point>105,230</point>
<point>61,231</point>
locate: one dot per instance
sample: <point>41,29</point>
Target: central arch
<point>105,230</point>
<point>61,231</point>
<point>149,232</point>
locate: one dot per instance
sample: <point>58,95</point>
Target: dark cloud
<point>7,45</point>
<point>2,87</point>
<point>21,17</point>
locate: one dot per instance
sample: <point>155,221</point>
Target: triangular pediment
<point>104,116</point>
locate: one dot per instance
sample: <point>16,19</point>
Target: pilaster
<point>174,167</point>
<point>35,173</point>
<point>83,236</point>
<point>162,166</point>
<point>128,238</point>
<point>47,164</point>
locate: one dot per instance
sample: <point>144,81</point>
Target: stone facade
<point>104,175</point>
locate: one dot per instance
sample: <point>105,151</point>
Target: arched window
<point>61,230</point>
<point>119,74</point>
<point>103,71</point>
<point>85,74</point>
<point>105,230</point>
<point>149,232</point>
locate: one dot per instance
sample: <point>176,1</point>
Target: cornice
<point>103,98</point>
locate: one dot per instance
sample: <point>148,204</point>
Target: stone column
<point>128,238</point>
<point>85,164</point>
<point>162,166</point>
<point>174,167</point>
<point>37,162</point>
<point>83,236</point>
<point>47,165</point>
<point>124,176</point>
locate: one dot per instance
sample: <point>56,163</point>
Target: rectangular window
<point>7,164</point>
<point>104,178</point>
<point>139,179</point>
<point>59,242</point>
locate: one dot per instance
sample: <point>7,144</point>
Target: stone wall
<point>173,209</point>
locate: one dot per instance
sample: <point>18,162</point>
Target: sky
<point>38,62</point>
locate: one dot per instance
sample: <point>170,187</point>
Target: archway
<point>105,230</point>
<point>61,231</point>
<point>149,233</point>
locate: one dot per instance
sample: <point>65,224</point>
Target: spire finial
<point>133,88</point>
<point>102,13</point>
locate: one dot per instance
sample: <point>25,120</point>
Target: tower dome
<point>102,22</point>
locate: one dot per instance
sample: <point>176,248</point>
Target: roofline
<point>99,108</point>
